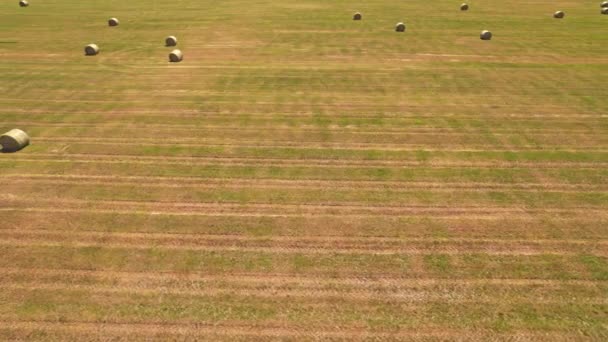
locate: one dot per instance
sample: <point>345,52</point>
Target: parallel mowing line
<point>303,141</point>
<point>569,216</point>
<point>304,163</point>
<point>168,130</point>
<point>322,242</point>
<point>371,241</point>
<point>400,296</point>
<point>398,114</point>
<point>253,279</point>
<point>148,241</point>
<point>300,207</point>
<point>261,331</point>
<point>212,183</point>
<point>311,129</point>
<point>20,242</point>
<point>296,211</point>
<point>307,145</point>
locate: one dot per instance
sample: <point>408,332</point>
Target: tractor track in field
<point>179,182</point>
<point>17,237</point>
<point>300,145</point>
<point>308,163</point>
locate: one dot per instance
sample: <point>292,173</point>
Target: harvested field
<point>302,176</point>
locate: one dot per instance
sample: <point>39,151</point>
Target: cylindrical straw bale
<point>23,3</point>
<point>464,7</point>
<point>485,35</point>
<point>113,22</point>
<point>400,27</point>
<point>171,41</point>
<point>91,50</point>
<point>558,15</point>
<point>14,140</point>
<point>357,16</point>
<point>176,56</point>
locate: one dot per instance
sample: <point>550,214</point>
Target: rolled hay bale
<point>91,50</point>
<point>485,35</point>
<point>23,3</point>
<point>357,16</point>
<point>13,141</point>
<point>464,7</point>
<point>400,27</point>
<point>176,56</point>
<point>605,10</point>
<point>604,4</point>
<point>558,15</point>
<point>113,22</point>
<point>171,41</point>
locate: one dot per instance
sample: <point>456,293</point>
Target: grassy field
<point>301,175</point>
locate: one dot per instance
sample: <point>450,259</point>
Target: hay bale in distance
<point>113,22</point>
<point>604,4</point>
<point>558,15</point>
<point>464,7</point>
<point>357,16</point>
<point>13,141</point>
<point>23,3</point>
<point>485,35</point>
<point>176,56</point>
<point>91,50</point>
<point>171,41</point>
<point>605,10</point>
<point>400,27</point>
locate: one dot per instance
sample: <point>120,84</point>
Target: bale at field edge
<point>13,141</point>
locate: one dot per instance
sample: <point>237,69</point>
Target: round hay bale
<point>604,4</point>
<point>464,7</point>
<point>176,56</point>
<point>357,16</point>
<point>171,41</point>
<point>400,27</point>
<point>558,15</point>
<point>14,140</point>
<point>485,35</point>
<point>113,22</point>
<point>605,10</point>
<point>23,3</point>
<point>91,50</point>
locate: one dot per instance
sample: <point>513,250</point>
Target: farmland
<point>300,175</point>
